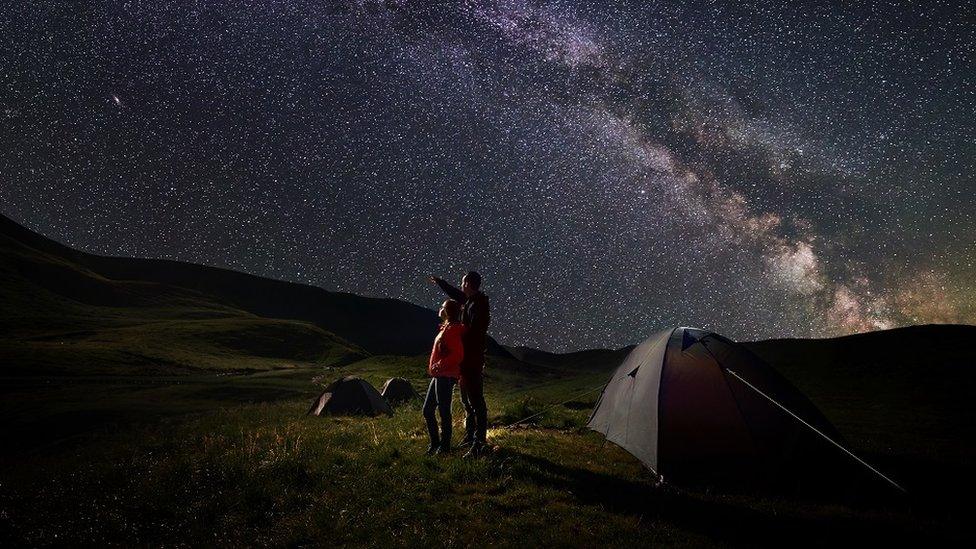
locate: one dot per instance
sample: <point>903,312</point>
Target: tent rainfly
<point>398,389</point>
<point>695,407</point>
<point>350,395</point>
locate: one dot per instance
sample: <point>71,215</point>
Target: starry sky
<point>611,168</point>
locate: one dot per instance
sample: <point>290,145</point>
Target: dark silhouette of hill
<point>36,265</point>
<point>874,385</point>
<point>902,397</point>
<point>59,316</point>
<point>926,359</point>
<point>577,360</point>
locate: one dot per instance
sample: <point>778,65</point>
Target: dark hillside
<point>407,329</point>
<point>589,359</point>
<point>912,370</point>
<point>905,397</point>
<point>59,317</point>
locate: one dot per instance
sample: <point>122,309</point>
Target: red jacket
<point>448,351</point>
<point>475,315</point>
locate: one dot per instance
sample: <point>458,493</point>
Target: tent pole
<point>815,430</point>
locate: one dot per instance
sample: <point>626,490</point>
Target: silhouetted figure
<point>444,367</point>
<point>475,316</point>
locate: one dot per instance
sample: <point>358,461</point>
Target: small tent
<point>398,389</point>
<point>350,395</point>
<point>697,408</point>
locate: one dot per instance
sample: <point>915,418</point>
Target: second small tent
<point>350,396</point>
<point>398,389</point>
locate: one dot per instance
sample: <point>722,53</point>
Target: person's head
<point>471,283</point>
<point>450,311</point>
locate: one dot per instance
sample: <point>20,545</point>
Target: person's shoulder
<point>456,328</point>
<point>482,296</point>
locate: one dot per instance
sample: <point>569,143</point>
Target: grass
<point>235,461</point>
<point>170,347</point>
<point>264,474</point>
<point>59,318</point>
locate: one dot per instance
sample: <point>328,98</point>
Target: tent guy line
<point>570,399</point>
<point>550,407</point>
<point>830,440</point>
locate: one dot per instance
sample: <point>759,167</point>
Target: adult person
<point>475,315</point>
<point>444,368</point>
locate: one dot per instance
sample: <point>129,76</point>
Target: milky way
<point>610,168</point>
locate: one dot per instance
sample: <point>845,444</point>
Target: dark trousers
<point>439,394</point>
<point>476,411</point>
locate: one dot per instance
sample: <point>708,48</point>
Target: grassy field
<point>232,459</point>
<point>154,403</point>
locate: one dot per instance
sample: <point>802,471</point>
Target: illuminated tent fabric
<point>350,395</point>
<point>398,389</point>
<point>682,404</point>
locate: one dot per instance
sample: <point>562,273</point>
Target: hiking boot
<point>434,448</point>
<point>441,450</point>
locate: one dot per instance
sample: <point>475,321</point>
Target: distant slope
<point>915,358</point>
<point>380,325</point>
<point>589,359</point>
<point>39,274</point>
<point>58,317</point>
<point>174,347</point>
<point>872,385</point>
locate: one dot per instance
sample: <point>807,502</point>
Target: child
<point>444,367</point>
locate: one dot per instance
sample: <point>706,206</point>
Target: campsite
<point>110,440</point>
<point>479,273</point>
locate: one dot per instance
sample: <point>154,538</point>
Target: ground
<point>230,458</point>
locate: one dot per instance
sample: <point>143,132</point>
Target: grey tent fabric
<point>673,404</point>
<point>350,396</point>
<point>398,389</point>
<point>637,379</point>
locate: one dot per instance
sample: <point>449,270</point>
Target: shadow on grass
<point>740,520</point>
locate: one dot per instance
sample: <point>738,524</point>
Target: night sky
<point>610,170</point>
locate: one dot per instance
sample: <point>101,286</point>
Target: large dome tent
<point>697,408</point>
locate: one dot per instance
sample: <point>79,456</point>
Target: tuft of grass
<point>521,410</point>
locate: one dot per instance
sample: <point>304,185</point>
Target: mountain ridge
<point>410,328</point>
